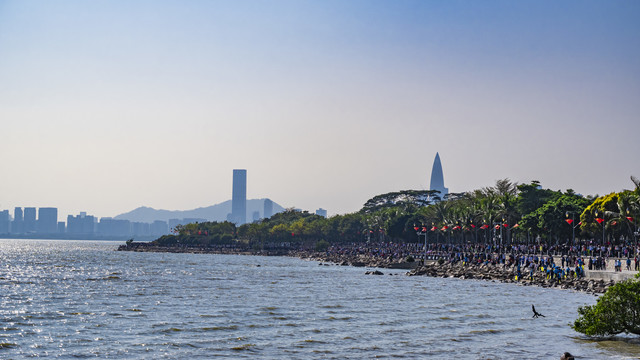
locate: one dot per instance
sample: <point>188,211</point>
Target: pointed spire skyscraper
<point>437,178</point>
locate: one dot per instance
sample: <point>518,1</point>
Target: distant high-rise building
<point>322,212</point>
<point>112,227</point>
<point>82,224</point>
<point>268,209</point>
<point>5,222</point>
<point>29,220</point>
<point>159,228</point>
<point>47,220</point>
<point>140,229</point>
<point>437,178</point>
<point>61,227</point>
<point>239,197</point>
<point>17,227</point>
<point>256,216</point>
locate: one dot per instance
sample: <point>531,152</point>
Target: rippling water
<point>71,299</point>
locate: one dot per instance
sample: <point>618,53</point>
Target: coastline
<point>487,272</point>
<point>497,273</point>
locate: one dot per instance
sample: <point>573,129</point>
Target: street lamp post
<point>636,234</point>
<point>473,226</point>
<point>420,233</point>
<point>573,227</point>
<point>601,221</point>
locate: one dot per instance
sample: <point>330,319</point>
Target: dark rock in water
<point>358,264</point>
<point>375,272</point>
<point>567,356</point>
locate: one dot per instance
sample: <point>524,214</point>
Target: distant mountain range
<point>216,212</point>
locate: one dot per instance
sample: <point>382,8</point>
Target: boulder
<point>374,272</point>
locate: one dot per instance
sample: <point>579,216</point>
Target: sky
<point>106,106</point>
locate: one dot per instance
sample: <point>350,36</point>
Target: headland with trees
<point>498,218</point>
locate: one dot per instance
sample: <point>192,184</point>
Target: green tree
<point>404,198</point>
<point>532,196</point>
<point>617,311</point>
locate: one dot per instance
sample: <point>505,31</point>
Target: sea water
<point>83,299</point>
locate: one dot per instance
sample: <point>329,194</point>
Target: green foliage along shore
<point>616,312</point>
<point>523,211</point>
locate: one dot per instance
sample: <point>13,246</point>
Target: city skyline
<point>108,106</point>
<point>142,222</point>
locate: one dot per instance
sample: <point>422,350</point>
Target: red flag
<point>457,227</point>
<point>424,229</point>
<point>485,226</point>
<point>506,225</point>
<point>614,223</point>
<point>445,227</point>
<point>293,234</point>
<point>630,218</point>
<point>569,221</point>
<point>434,228</point>
<point>516,225</point>
<point>415,228</point>
<point>497,227</point>
<point>473,226</point>
<point>580,223</point>
<point>599,220</point>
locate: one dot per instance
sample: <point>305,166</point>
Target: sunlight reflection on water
<point>73,298</point>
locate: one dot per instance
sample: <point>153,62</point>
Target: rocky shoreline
<point>501,273</point>
<point>497,273</point>
<point>508,275</point>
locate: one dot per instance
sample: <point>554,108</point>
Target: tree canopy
<point>524,211</point>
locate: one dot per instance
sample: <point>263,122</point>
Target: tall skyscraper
<point>268,209</point>
<point>437,178</point>
<point>29,220</point>
<point>322,212</point>
<point>47,220</point>
<point>239,197</point>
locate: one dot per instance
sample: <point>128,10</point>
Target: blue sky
<point>110,105</point>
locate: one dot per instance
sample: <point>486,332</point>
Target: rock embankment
<point>355,260</point>
<point>508,275</point>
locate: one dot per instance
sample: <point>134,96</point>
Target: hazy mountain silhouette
<point>216,212</point>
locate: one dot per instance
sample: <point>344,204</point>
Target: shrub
<point>617,311</point>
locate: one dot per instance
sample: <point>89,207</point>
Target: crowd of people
<point>556,261</point>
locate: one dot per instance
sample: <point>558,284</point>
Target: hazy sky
<point>110,105</point>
